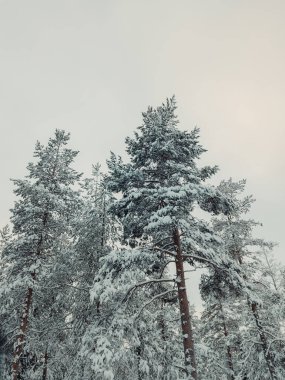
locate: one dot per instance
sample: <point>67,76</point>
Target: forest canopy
<point>93,279</point>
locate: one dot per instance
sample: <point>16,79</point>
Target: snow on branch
<point>133,288</point>
<point>153,299</point>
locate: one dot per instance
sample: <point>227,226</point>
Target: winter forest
<point>93,279</point>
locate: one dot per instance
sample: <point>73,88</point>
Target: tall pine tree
<point>40,218</point>
<point>160,188</point>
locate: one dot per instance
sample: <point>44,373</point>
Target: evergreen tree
<point>247,310</point>
<point>94,234</point>
<point>160,188</point>
<point>136,334</point>
<point>93,279</point>
<point>5,335</point>
<point>219,325</point>
<point>40,218</point>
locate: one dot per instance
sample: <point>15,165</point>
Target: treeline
<point>93,271</point>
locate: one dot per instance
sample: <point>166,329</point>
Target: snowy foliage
<point>92,279</point>
<point>242,325</point>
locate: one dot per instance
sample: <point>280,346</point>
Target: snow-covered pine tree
<point>259,354</point>
<point>120,335</point>
<point>218,328</point>
<point>41,218</point>
<point>160,188</point>
<point>130,339</point>
<point>5,335</point>
<point>94,234</point>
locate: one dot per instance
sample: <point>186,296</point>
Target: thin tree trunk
<point>188,341</point>
<point>267,354</point>
<point>98,304</point>
<point>103,222</point>
<point>138,353</point>
<point>19,347</point>
<point>24,322</point>
<point>270,271</point>
<point>229,351</point>
<point>45,366</point>
<point>161,323</point>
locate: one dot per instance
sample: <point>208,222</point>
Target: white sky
<point>91,67</point>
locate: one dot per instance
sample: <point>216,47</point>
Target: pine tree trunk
<point>19,347</point>
<point>188,341</point>
<point>161,323</point>
<point>45,366</point>
<point>139,352</point>
<point>229,352</point>
<point>103,224</point>
<point>267,354</point>
<point>18,351</point>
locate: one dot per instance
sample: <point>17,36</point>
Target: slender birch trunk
<point>188,340</point>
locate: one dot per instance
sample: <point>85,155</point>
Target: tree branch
<point>153,299</point>
<point>133,288</point>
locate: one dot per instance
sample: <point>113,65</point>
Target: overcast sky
<point>91,67</point>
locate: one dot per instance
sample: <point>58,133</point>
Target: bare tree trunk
<point>267,354</point>
<point>19,347</point>
<point>45,366</point>
<point>229,351</point>
<point>188,341</point>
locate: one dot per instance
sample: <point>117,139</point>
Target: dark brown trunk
<point>45,366</point>
<point>188,341</point>
<point>229,351</point>
<point>267,354</point>
<point>19,348</point>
